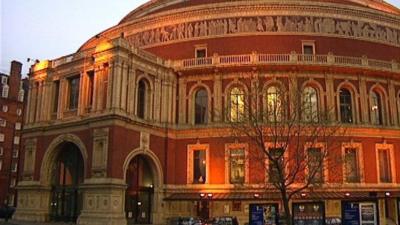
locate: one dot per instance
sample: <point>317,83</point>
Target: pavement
<point>13,222</point>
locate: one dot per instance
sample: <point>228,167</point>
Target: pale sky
<point>49,29</point>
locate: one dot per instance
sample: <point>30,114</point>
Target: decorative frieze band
<point>267,25</point>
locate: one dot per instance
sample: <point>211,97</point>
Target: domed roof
<point>155,6</point>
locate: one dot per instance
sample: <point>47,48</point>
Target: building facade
<point>133,127</point>
<point>11,118</point>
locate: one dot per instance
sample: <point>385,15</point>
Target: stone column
<point>110,85</point>
<point>38,101</point>
<point>218,111</point>
<point>131,91</point>
<point>330,97</point>
<point>116,93</point>
<point>182,101</point>
<point>392,103</point>
<point>364,100</point>
<point>158,103</point>
<point>28,104</point>
<point>103,202</point>
<point>124,87</point>
<point>174,97</point>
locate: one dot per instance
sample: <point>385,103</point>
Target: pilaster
<point>182,101</point>
<point>217,98</point>
<point>364,100</point>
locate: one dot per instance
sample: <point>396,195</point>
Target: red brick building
<point>11,117</point>
<point>134,126</point>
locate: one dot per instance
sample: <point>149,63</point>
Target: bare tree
<point>291,132</point>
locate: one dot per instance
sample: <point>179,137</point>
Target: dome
<point>156,6</point>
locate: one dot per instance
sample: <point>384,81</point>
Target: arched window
<point>201,107</point>
<point>274,104</point>
<point>310,105</point>
<point>141,99</point>
<point>376,108</point>
<point>236,106</point>
<point>346,113</point>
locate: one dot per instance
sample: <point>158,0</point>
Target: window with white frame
<point>352,163</point>
<point>236,163</point>
<point>308,47</point>
<point>4,80</point>
<point>21,95</point>
<point>5,108</point>
<point>16,140</point>
<point>14,167</point>
<point>13,182</point>
<point>19,112</point>
<point>15,154</point>
<point>1,151</point>
<point>2,137</point>
<point>385,163</point>
<point>315,164</point>
<point>5,91</point>
<point>3,122</point>
<point>18,126</point>
<point>198,164</point>
<point>345,101</point>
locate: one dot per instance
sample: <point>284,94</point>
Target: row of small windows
<point>352,165</point>
<point>275,109</point>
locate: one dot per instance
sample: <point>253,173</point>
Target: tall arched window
<point>201,107</point>
<point>141,99</point>
<point>346,113</point>
<point>376,108</point>
<point>274,104</point>
<point>236,104</point>
<point>310,105</point>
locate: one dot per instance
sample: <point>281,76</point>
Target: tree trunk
<point>286,208</point>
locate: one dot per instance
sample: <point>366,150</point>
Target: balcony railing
<point>287,59</point>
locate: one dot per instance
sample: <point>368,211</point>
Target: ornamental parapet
<point>287,59</point>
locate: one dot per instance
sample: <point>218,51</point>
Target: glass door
<point>368,213</point>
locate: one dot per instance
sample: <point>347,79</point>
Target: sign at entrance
<point>351,213</point>
<point>356,213</point>
<point>263,214</point>
<point>310,213</point>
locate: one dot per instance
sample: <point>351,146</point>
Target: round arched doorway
<point>66,175</point>
<point>139,199</point>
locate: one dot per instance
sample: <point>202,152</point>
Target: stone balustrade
<point>287,59</point>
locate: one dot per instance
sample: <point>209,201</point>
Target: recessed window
<point>385,175</point>
<point>274,103</point>
<point>13,182</point>
<point>73,92</point>
<point>5,108</point>
<point>201,52</point>
<point>18,126</point>
<point>308,47</point>
<point>201,107</point>
<point>1,137</point>
<point>236,106</point>
<point>142,98</point>
<point>19,112</point>
<point>237,166</point>
<point>310,105</point>
<point>275,164</point>
<point>315,164</point>
<point>199,166</point>
<point>346,114</point>
<point>352,169</point>
<point>376,108</point>
<point>1,151</point>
